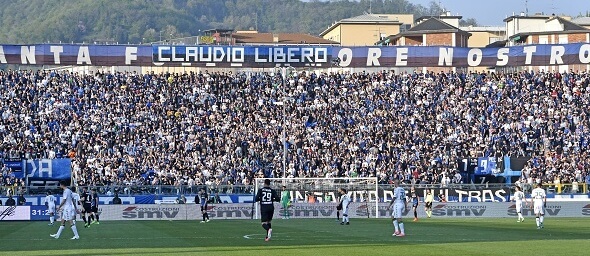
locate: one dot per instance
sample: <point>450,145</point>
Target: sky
<point>492,12</point>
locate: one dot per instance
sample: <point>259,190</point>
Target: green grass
<point>451,236</point>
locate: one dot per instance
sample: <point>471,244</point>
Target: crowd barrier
<point>302,210</point>
<point>385,194</point>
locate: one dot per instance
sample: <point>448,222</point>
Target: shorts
<point>518,207</point>
<point>285,205</point>
<point>345,209</point>
<point>94,209</point>
<point>87,208</point>
<point>266,215</point>
<point>428,204</point>
<point>415,205</point>
<point>51,209</point>
<point>538,209</point>
<point>339,207</point>
<point>68,214</point>
<point>397,211</point>
<point>204,207</point>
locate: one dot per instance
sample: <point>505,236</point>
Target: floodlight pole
<point>284,76</point>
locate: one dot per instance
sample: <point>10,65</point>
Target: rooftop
<point>582,21</point>
<point>367,18</point>
<point>430,26</point>
<point>283,38</point>
<point>218,30</point>
<point>446,15</point>
<point>534,16</point>
<point>362,19</point>
<point>484,28</point>
<point>567,25</point>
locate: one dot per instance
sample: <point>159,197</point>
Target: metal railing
<point>580,188</point>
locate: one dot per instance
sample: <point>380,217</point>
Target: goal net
<point>318,197</point>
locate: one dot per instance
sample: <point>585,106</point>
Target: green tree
<point>135,21</point>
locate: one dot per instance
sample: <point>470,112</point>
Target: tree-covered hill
<point>135,21</point>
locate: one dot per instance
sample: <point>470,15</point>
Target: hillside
<point>135,21</point>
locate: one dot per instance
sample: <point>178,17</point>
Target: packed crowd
<point>226,128</point>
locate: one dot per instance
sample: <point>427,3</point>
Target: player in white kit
<point>345,201</point>
<point>399,203</point>
<point>77,200</point>
<point>50,203</point>
<point>518,198</point>
<point>69,208</point>
<point>539,204</point>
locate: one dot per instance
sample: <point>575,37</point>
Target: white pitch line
<point>283,233</point>
<point>117,238</point>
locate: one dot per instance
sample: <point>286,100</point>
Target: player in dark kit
<point>94,207</point>
<point>339,205</point>
<point>266,196</point>
<point>202,199</point>
<point>87,207</point>
<point>414,198</point>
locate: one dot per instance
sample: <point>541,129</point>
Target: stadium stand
<point>225,128</point>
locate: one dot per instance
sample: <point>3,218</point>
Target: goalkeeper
<point>286,202</point>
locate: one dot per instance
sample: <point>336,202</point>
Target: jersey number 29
<point>266,196</point>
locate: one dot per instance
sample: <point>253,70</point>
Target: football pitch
<point>436,236</point>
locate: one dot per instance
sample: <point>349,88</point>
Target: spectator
<point>217,128</point>
<point>311,198</point>
<point>21,199</point>
<point>181,200</point>
<point>116,199</point>
<point>10,201</point>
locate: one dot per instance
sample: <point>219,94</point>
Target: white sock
<point>537,220</point>
<point>520,216</point>
<point>541,219</point>
<point>347,220</point>
<point>401,228</point>
<point>395,226</point>
<point>75,230</point>
<point>61,228</point>
<point>51,219</point>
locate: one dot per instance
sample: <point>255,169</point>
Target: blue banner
<point>46,169</point>
<point>295,56</point>
<point>259,56</point>
<point>15,166</point>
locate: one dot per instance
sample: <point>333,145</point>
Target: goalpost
<point>318,197</point>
